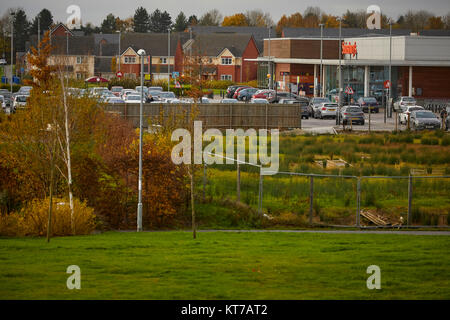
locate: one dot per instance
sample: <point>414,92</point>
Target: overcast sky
<point>96,10</point>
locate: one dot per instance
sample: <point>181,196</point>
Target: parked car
<point>424,119</point>
<point>404,101</point>
<point>114,100</point>
<point>315,103</point>
<point>25,90</point>
<point>138,89</point>
<point>226,100</point>
<point>306,111</point>
<point>2,62</point>
<point>367,103</point>
<point>405,111</point>
<point>116,90</point>
<point>204,100</point>
<point>133,98</point>
<point>351,114</point>
<point>236,92</point>
<point>246,94</point>
<point>231,90</point>
<point>125,92</point>
<point>20,101</point>
<point>326,110</point>
<point>97,91</point>
<point>166,96</point>
<point>275,97</point>
<point>259,101</point>
<point>264,93</point>
<point>155,89</point>
<point>447,123</point>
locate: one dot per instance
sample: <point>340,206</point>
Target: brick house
<point>224,54</point>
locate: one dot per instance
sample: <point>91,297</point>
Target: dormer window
<point>227,61</point>
<point>163,60</point>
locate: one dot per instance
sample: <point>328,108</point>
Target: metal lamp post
<point>321,60</point>
<point>168,60</point>
<point>340,73</point>
<point>120,36</point>
<point>390,70</point>
<point>142,54</point>
<point>270,63</point>
<point>12,48</point>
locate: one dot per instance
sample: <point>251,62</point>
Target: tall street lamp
<point>340,73</point>
<point>142,54</point>
<point>12,48</point>
<point>120,36</point>
<point>168,60</point>
<point>321,60</point>
<point>390,69</point>
<point>270,63</point>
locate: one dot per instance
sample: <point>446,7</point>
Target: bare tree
<point>257,18</point>
<point>211,18</point>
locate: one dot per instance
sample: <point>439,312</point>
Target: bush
<point>32,220</point>
<point>15,87</point>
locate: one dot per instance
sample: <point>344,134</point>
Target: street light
<point>340,73</point>
<point>120,36</point>
<point>141,53</point>
<point>390,69</point>
<point>270,63</point>
<point>168,60</point>
<point>12,48</point>
<point>321,59</point>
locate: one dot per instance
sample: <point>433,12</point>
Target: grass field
<point>171,265</point>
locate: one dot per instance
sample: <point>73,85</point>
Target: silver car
<point>326,110</point>
<point>424,119</point>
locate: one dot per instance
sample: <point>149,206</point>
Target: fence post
<point>266,116</point>
<point>238,182</point>
<point>409,200</point>
<point>358,202</point>
<point>204,182</point>
<point>231,116</point>
<point>311,198</point>
<point>260,196</point>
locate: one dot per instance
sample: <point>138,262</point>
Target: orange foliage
<point>238,20</point>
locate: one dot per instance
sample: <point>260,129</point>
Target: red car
<point>263,94</point>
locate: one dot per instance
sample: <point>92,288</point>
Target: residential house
<point>224,56</point>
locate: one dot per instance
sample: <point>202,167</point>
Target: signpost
<point>119,74</point>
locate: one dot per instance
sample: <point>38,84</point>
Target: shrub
<point>32,220</point>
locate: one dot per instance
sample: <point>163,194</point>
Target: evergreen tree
<point>181,22</point>
<point>45,19</point>
<point>21,30</point>
<point>109,24</point>
<point>141,20</point>
<point>193,21</point>
<point>160,21</point>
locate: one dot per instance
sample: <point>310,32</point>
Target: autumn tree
<point>124,25</point>
<point>192,21</point>
<point>435,23</point>
<point>236,20</point>
<point>330,21</point>
<point>257,18</point>
<point>311,17</point>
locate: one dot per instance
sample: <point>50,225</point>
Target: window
<point>130,59</point>
<point>80,60</point>
<point>80,76</point>
<point>163,60</point>
<point>227,60</point>
<point>226,77</point>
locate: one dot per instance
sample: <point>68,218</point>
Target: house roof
<point>102,64</point>
<point>213,44</point>
<point>258,33</point>
<point>345,32</point>
<point>60,25</point>
<point>155,44</point>
<point>77,45</point>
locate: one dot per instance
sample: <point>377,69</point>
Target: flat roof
<point>356,62</point>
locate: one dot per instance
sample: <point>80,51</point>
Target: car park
<point>405,111</point>
<point>403,101</point>
<point>351,114</point>
<point>368,103</point>
<point>424,120</point>
<point>125,92</point>
<point>165,96</point>
<point>138,89</point>
<point>305,110</point>
<point>275,97</point>
<point>155,89</point>
<point>246,94</point>
<point>326,110</point>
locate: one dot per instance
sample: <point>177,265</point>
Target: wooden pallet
<point>374,218</point>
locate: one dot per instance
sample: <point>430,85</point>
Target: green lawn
<point>171,265</point>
